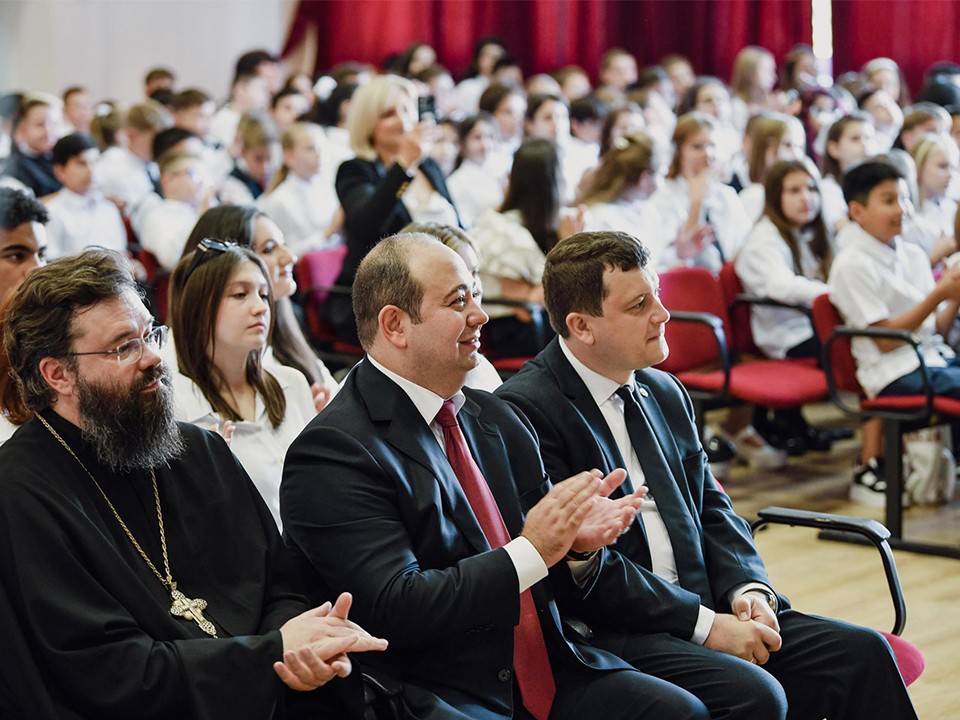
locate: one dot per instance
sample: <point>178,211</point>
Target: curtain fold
<point>543,35</point>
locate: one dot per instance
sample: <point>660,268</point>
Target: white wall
<point>108,45</point>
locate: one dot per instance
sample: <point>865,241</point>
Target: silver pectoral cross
<point>190,609</point>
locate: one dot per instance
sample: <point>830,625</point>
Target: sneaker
<point>869,487</point>
<point>756,452</point>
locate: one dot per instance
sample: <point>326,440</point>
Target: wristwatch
<point>770,597</point>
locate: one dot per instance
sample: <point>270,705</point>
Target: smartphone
<point>427,107</point>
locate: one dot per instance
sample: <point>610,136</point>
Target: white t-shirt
<point>871,281</point>
<point>165,229</point>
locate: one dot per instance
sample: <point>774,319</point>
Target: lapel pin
<point>643,392</point>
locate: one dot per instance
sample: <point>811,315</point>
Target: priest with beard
<point>141,574</point>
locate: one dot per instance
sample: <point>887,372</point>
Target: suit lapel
<point>572,386</point>
<point>486,446</point>
<point>409,434</point>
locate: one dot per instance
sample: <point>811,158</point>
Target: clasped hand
<point>577,514</point>
<point>315,645</point>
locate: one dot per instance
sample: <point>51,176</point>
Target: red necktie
<point>530,659</point>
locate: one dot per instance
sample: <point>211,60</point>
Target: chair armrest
<point>537,315</point>
<point>719,335</point>
<point>904,336</point>
<point>871,530</point>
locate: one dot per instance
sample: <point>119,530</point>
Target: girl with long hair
<point>221,313</point>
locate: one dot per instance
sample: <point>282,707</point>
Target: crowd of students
<point>459,550</point>
<point>703,172</point>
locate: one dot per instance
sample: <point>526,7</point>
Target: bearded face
<point>128,426</point>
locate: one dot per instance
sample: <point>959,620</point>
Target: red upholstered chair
<point>316,274</point>
<point>909,658</point>
<point>704,356</point>
<point>900,414</point>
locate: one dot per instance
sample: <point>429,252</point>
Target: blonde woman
<point>391,182</point>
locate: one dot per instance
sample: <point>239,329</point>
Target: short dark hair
<point>158,73</point>
<point>69,146</point>
<point>166,139</point>
<point>18,207</point>
<point>495,94</point>
<point>248,63</point>
<point>40,320</point>
<point>863,178</point>
<point>72,90</point>
<point>573,275</point>
<point>384,278</point>
<point>589,107</point>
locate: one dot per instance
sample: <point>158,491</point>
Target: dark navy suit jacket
<point>715,551</point>
<point>371,505</point>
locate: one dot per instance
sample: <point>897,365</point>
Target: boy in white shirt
<point>79,214</point>
<point>186,196</point>
<point>879,281</point>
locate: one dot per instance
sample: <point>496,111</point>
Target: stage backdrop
<point>546,34</point>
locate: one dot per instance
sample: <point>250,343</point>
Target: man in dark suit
<point>379,496</point>
<point>700,612</point>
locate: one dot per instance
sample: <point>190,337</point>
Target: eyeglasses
<point>206,249</point>
<point>132,350</point>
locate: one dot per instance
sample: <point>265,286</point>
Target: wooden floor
<point>847,581</point>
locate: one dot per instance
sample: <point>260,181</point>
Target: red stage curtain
<point>546,34</point>
<point>915,34</point>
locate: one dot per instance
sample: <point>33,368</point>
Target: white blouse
<point>507,250</point>
<point>303,210</point>
<point>259,446</point>
<point>474,190</point>
<point>765,267</point>
<point>721,209</point>
<point>639,218</point>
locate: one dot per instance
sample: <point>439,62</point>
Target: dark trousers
<point>825,669</point>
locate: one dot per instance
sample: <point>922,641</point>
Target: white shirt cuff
<point>704,625</point>
<point>529,564</point>
<point>747,587</point>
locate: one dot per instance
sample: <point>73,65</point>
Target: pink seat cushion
<point>909,659</point>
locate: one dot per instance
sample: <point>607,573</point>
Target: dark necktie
<point>687,550</point>
<point>530,660</point>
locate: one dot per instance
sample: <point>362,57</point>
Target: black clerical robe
<point>86,624</point>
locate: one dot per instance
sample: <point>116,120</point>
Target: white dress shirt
<point>834,206</point>
<point>603,390</point>
<point>303,210</point>
<point>165,229</point>
<point>527,561</point>
<point>259,446</point>
<point>765,267</point>
<point>79,221</point>
<point>871,281</point>
<point>753,197</point>
<point>124,176</point>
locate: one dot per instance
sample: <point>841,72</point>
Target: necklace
<point>190,609</point>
